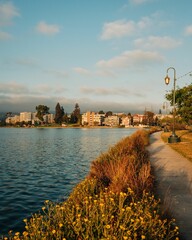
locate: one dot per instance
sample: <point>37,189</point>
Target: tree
<point>183,101</point>
<point>76,116</point>
<point>148,118</point>
<point>65,118</point>
<point>59,113</point>
<point>41,111</point>
<point>101,112</point>
<point>109,113</point>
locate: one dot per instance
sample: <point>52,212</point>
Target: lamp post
<point>173,138</point>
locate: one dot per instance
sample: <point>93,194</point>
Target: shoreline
<point>83,127</point>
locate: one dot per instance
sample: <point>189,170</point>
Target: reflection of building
<point>92,119</point>
<point>112,121</point>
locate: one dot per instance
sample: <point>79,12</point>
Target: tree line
<point>60,115</point>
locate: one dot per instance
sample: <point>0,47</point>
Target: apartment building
<point>138,118</point>
<point>48,118</point>
<point>13,119</point>
<point>112,121</point>
<point>126,121</point>
<point>25,117</point>
<point>29,117</point>
<point>92,119</point>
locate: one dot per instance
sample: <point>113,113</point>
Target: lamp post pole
<point>173,138</point>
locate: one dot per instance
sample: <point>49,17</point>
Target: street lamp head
<point>167,80</point>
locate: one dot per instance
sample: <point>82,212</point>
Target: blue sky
<point>102,54</point>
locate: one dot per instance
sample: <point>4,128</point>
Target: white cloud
<point>122,28</point>
<point>47,29</point>
<point>188,30</point>
<point>131,59</point>
<point>144,23</point>
<point>47,89</point>
<point>82,71</point>
<point>118,29</point>
<point>153,42</point>
<point>5,36</point>
<point>108,91</point>
<point>7,12</point>
<point>12,87</point>
<point>17,89</point>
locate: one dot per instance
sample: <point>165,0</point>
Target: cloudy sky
<point>102,54</point>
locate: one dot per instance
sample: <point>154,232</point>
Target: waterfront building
<point>126,121</point>
<point>112,121</point>
<point>92,119</point>
<point>12,119</point>
<point>138,119</point>
<point>25,117</point>
<point>48,118</point>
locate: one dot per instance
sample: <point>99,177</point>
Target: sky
<point>109,55</point>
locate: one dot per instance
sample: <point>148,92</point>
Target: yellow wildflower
<point>85,219</point>
<point>122,228</point>
<point>25,233</point>
<point>60,225</point>
<point>53,231</point>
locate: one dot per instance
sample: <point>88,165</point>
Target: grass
<point>185,146</point>
<point>114,202</point>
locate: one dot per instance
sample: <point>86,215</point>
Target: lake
<point>37,164</point>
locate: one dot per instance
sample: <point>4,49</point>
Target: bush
<point>124,166</point>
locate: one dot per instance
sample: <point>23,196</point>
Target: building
<point>48,118</point>
<point>25,117</point>
<point>126,121</point>
<point>13,119</point>
<point>92,119</point>
<point>138,119</point>
<point>112,121</point>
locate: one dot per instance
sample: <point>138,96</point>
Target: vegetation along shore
<point>115,201</point>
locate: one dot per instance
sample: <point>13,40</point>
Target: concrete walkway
<point>173,174</point>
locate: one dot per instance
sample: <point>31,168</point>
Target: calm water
<point>40,164</point>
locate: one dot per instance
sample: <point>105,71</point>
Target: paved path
<point>173,174</point>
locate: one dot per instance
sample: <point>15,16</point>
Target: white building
<point>126,121</point>
<point>13,119</point>
<point>112,121</point>
<point>25,116</point>
<point>48,118</point>
<point>92,119</point>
